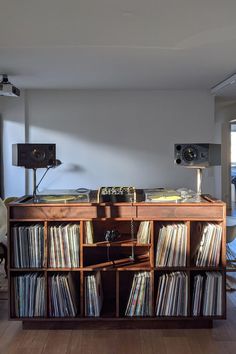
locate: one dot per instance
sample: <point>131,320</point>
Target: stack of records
<point>28,246</point>
<point>93,295</point>
<point>210,246</point>
<point>64,246</point>
<point>172,246</point>
<point>207,298</point>
<point>140,299</point>
<point>172,295</point>
<point>29,295</point>
<point>144,232</point>
<point>197,295</point>
<point>89,235</point>
<point>62,296</point>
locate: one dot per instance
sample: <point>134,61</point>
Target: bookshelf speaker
<point>34,155</point>
<point>197,155</point>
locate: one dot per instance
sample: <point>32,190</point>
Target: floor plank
<point>57,342</point>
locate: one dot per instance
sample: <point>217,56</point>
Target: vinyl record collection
<point>172,294</point>
<point>63,297</point>
<point>210,246</point>
<point>144,232</point>
<point>172,246</point>
<point>89,234</point>
<point>207,294</point>
<point>64,246</point>
<point>197,295</point>
<point>140,298</point>
<point>93,295</point>
<point>28,246</point>
<point>29,295</point>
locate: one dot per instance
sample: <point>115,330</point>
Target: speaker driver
<point>190,154</point>
<point>38,155</point>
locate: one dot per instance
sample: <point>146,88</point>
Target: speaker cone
<point>190,154</point>
<point>38,155</point>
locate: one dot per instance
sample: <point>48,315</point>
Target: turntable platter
<point>57,198</point>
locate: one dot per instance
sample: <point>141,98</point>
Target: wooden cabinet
<point>116,276</point>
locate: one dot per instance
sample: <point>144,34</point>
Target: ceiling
<point>117,44</point>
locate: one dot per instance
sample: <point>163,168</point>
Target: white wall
<point>120,137</point>
<point>12,111</point>
<point>109,137</point>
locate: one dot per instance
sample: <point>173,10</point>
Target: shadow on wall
<point>142,121</point>
<point>118,137</point>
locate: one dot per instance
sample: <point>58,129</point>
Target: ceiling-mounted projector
<point>7,89</point>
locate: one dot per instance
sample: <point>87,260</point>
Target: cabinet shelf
<point>132,267</point>
<point>116,244</point>
<point>28,269</point>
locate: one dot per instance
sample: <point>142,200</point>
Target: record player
<point>81,195</point>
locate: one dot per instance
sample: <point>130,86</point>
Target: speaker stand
<point>35,184</point>
<point>199,183</point>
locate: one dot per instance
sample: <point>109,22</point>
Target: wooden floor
<point>219,340</point>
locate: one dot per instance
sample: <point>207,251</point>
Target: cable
<point>56,164</point>
<point>48,168</point>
